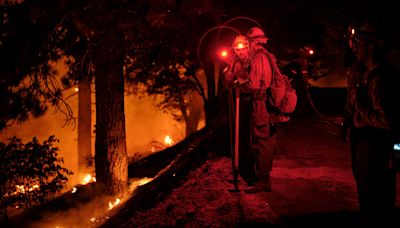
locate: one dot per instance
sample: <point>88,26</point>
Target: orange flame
<point>168,141</point>
<point>22,189</point>
<point>88,178</point>
<point>111,205</point>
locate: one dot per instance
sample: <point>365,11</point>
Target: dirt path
<point>312,174</point>
<point>312,178</point>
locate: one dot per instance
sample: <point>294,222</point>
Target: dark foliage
<point>164,63</point>
<point>28,51</point>
<point>30,173</point>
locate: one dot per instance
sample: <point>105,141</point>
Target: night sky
<point>297,22</point>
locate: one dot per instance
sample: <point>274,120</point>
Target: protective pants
<point>376,182</point>
<point>255,152</point>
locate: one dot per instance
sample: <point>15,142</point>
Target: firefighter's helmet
<point>257,35</point>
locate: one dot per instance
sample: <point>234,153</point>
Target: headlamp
<point>240,46</point>
<point>240,42</point>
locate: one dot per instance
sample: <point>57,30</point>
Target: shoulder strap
<point>276,73</point>
<point>274,65</point>
<point>270,58</point>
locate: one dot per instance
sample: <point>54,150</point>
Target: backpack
<point>282,98</point>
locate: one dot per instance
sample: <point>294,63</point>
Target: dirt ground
<point>311,180</point>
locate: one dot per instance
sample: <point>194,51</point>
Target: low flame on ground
<point>144,181</point>
<point>168,141</point>
<point>111,205</point>
<point>22,189</point>
<point>139,182</point>
<point>88,178</point>
<point>34,187</point>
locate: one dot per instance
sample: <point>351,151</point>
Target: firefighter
<point>252,72</point>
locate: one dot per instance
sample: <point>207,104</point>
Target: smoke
<point>49,124</point>
<point>82,215</point>
<point>145,124</point>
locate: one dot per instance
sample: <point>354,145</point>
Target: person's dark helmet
<point>371,30</point>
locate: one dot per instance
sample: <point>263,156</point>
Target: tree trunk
<point>84,127</point>
<point>195,108</point>
<point>211,106</point>
<point>111,156</point>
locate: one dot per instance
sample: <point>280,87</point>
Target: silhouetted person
<point>373,114</point>
<point>355,69</point>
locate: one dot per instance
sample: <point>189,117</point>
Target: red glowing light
<point>311,52</point>
<point>224,54</point>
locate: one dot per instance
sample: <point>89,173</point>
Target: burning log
<point>151,165</point>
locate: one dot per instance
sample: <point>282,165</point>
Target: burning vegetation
<point>31,174</point>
